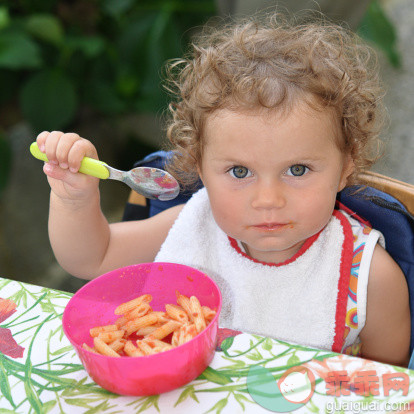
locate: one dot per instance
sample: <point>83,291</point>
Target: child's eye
<point>240,172</point>
<point>297,170</point>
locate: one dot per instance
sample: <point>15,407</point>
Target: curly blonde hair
<point>270,62</point>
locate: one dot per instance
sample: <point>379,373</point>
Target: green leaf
<point>255,355</point>
<point>188,392</point>
<point>4,383</point>
<point>47,406</point>
<point>49,100</point>
<point>62,350</point>
<point>218,407</point>
<point>377,28</point>
<point>116,7</point>
<point>32,396</point>
<point>132,44</point>
<point>102,95</point>
<point>215,376</point>
<point>18,51</point>
<point>151,401</point>
<point>227,343</point>
<point>240,398</point>
<point>80,402</point>
<point>267,344</point>
<point>47,306</point>
<point>313,408</point>
<point>127,84</point>
<point>236,364</point>
<point>4,17</point>
<point>103,406</point>
<point>5,163</point>
<point>46,27</point>
<point>90,46</point>
<point>163,43</point>
<point>17,297</point>
<point>24,299</point>
<point>293,360</point>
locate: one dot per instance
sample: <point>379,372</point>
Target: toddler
<point>275,119</point>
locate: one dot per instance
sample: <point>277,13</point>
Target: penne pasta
<point>122,320</point>
<point>188,332</point>
<point>127,306</point>
<point>176,312</point>
<point>183,320</point>
<point>144,347</point>
<point>176,337</point>
<point>159,349</point>
<point>88,348</point>
<point>135,324</point>
<point>103,348</point>
<point>131,350</point>
<point>101,329</point>
<point>184,302</point>
<point>146,330</point>
<point>118,344</point>
<point>208,313</point>
<point>111,336</point>
<point>162,316</point>
<point>164,330</point>
<point>156,343</point>
<point>140,310</point>
<point>198,316</point>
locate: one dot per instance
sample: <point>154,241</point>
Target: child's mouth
<point>272,226</point>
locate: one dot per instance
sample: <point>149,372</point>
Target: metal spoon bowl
<point>152,183</point>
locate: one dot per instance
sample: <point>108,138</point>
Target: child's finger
<point>51,145</point>
<point>41,139</point>
<point>81,148</point>
<point>54,171</point>
<point>64,145</point>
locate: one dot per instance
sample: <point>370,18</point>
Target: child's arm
<point>386,335</point>
<point>82,240</point>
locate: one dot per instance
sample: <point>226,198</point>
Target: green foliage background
<point>106,54</point>
<point>59,56</point>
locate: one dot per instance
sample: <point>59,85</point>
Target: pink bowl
<point>94,305</point>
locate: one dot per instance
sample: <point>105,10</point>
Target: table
<point>41,373</point>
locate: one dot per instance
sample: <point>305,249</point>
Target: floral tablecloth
<point>41,373</point>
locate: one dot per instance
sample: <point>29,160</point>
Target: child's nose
<point>269,195</point>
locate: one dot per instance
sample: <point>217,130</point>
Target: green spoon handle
<point>89,166</point>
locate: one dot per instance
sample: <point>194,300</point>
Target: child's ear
<point>347,170</point>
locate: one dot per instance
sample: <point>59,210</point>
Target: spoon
<point>152,183</point>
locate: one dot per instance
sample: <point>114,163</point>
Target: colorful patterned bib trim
<point>351,320</point>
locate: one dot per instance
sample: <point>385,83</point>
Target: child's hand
<point>65,153</point>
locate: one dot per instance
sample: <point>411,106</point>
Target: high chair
<point>386,203</point>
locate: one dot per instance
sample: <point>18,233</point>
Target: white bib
<point>302,301</point>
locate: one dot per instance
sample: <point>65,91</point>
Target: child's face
<point>272,180</point>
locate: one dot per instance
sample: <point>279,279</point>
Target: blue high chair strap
<point>390,217</point>
<point>384,212</point>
